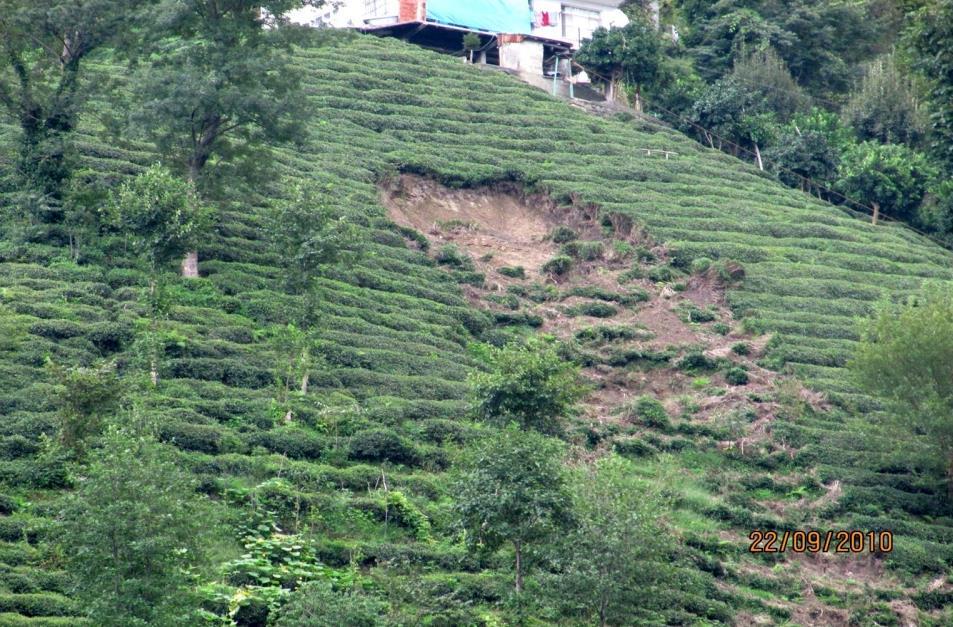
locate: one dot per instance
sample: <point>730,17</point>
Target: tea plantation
<point>360,476</point>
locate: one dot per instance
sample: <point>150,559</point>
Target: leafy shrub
<point>696,361</point>
<point>633,447</point>
<point>378,445</point>
<point>563,234</point>
<point>318,604</point>
<point>701,265</point>
<point>596,310</point>
<point>584,251</point>
<point>514,272</point>
<point>736,376</point>
<point>291,442</point>
<point>557,266</point>
<point>450,255</point>
<point>741,348</point>
<point>662,274</point>
<point>649,412</point>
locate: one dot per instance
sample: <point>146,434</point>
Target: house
<point>534,38</point>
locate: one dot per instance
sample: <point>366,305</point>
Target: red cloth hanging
<point>545,19</point>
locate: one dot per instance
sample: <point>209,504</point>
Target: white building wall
<point>575,19</point>
<point>524,57</point>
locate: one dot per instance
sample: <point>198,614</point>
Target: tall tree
<point>512,490</point>
<point>43,47</point>
<point>131,532</point>
<point>161,217</point>
<point>218,84</point>
<point>931,37</point>
<point>618,555</point>
<point>887,177</point>
<point>906,356</point>
<point>885,106</point>
<point>631,54</point>
<point>530,384</point>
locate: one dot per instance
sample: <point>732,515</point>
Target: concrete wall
<point>525,57</point>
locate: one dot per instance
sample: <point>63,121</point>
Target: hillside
<point>406,139</point>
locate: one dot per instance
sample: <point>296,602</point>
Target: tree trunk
<point>190,264</point>
<point>153,361</point>
<point>304,383</point>
<point>519,566</point>
<point>638,100</point>
<point>876,215</point>
<point>603,610</point>
<point>757,154</point>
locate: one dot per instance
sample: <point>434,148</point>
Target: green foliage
<point>558,266</point>
<point>381,444</point>
<point>87,398</point>
<point>318,604</point>
<point>451,255</point>
<point>309,233</point>
<point>563,234</point>
<point>803,159</point>
<point>136,523</point>
<point>648,412</point>
<point>741,348</point>
<point>885,107</point>
<point>930,37</point>
<point>159,215</point>
<point>631,53</point>
<point>514,272</point>
<point>596,310</point>
<point>736,376</point>
<point>618,551</point>
<point>42,75</point>
<point>512,490</point>
<point>220,84</point>
<point>906,356</point>
<point>528,383</point>
<point>888,176</point>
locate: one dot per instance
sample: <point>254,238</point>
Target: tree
<point>512,490</point>
<point>765,73</point>
<point>131,533</point>
<point>219,83</point>
<point>885,107</point>
<point>86,398</point>
<point>43,47</point>
<point>906,356</point>
<point>632,54</point>
<point>888,177</point>
<point>800,157</point>
<point>161,218</point>
<point>310,234</point>
<point>526,383</point>
<point>731,111</point>
<point>317,604</point>
<point>931,38</point>
<point>159,215</point>
<point>619,554</point>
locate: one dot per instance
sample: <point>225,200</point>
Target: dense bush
<point>380,445</point>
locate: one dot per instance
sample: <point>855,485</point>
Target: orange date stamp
<point>841,541</point>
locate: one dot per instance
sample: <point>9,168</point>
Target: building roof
<point>492,16</point>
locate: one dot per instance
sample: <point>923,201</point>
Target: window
<point>579,23</point>
<point>375,8</point>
